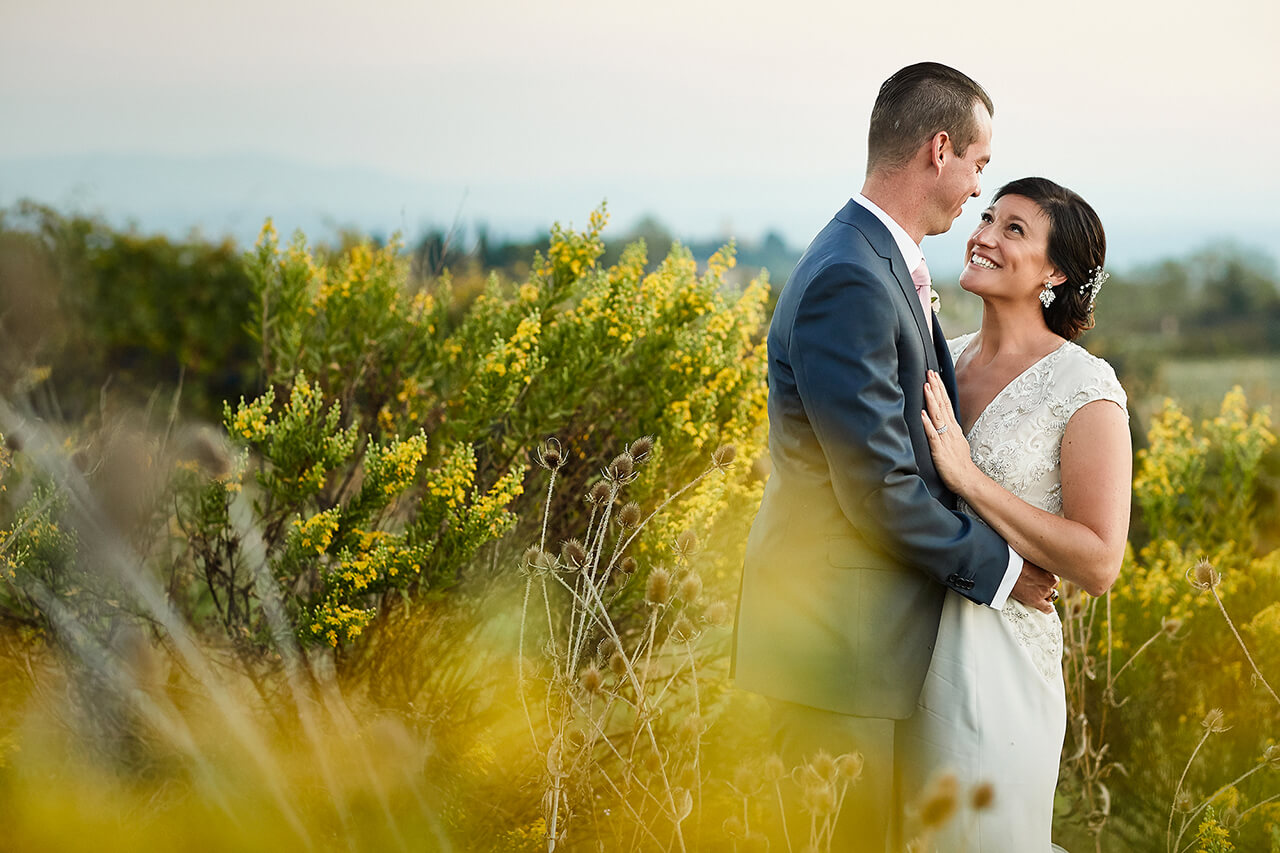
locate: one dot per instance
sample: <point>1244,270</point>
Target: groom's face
<point>960,178</point>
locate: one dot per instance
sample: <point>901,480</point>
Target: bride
<point>1043,456</point>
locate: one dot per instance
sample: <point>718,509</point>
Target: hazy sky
<point>713,116</point>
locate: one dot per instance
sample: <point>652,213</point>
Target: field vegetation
<point>374,547</point>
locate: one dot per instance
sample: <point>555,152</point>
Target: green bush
<point>101,307</point>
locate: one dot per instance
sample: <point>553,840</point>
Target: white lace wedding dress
<point>993,708</point>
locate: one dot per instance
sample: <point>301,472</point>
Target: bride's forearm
<point>1067,548</point>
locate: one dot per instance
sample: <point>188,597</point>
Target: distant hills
<point>230,194</point>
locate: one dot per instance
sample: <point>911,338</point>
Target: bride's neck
<point>1014,331</point>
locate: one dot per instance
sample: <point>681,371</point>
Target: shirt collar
<point>910,250</point>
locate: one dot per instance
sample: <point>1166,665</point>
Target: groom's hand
<point>1034,587</point>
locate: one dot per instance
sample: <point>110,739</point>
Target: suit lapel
<point>882,241</point>
<point>946,367</point>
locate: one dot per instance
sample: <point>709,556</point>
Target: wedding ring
<point>1053,595</point>
<point>943,428</point>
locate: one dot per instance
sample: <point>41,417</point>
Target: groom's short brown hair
<point>918,102</point>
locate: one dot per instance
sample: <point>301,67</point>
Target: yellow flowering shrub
<point>343,522</point>
<point>384,459</point>
<point>588,353</point>
<point>1190,626</point>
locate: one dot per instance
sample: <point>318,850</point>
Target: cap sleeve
<point>1092,379</point>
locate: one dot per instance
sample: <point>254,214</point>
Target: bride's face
<point>1008,253</point>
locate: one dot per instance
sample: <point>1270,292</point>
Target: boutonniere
<point>934,301</point>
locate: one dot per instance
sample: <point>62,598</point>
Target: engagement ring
<point>1053,595</point>
<point>942,429</point>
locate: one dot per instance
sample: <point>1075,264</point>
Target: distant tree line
<point>1220,301</point>
<point>439,249</point>
<point>84,305</point>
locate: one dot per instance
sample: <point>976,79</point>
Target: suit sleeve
<point>843,350</point>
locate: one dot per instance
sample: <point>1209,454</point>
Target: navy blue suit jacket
<point>857,538</point>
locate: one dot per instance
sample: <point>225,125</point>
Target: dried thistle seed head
<point>654,762</point>
<point>824,765</point>
<point>683,629</point>
<point>805,776</point>
<point>549,454</point>
<point>984,794</point>
<point>658,589</point>
<point>1215,721</point>
<point>591,680</point>
<point>1230,818</point>
<point>774,769</point>
<point>618,664</point>
<point>574,553</point>
<point>690,729</point>
<point>1170,625</point>
<point>733,827</point>
<point>1204,576</point>
<point>686,543</point>
<point>690,587</point>
<point>1271,755</point>
<point>849,766</point>
<point>621,469</point>
<point>599,493</point>
<point>627,565</point>
<point>641,448</point>
<point>940,802</point>
<point>683,798</point>
<point>575,739</point>
<point>723,456</point>
<point>819,800</point>
<point>606,647</point>
<point>537,560</point>
<point>717,614</point>
<point>1185,801</point>
<point>629,516</point>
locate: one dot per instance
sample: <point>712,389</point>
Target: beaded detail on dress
<point>1017,442</point>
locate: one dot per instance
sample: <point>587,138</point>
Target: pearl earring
<point>1047,295</point>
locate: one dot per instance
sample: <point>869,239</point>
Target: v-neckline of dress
<point>973,428</point>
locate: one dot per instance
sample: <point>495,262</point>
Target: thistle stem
<point>1243,647</point>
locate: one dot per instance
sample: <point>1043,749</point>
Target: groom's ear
<point>939,150</point>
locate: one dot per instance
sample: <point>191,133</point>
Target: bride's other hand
<point>946,439</point>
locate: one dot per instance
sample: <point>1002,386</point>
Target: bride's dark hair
<point>1077,247</point>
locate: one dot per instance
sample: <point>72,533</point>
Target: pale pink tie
<point>924,291</point>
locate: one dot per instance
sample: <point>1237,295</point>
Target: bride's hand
<point>946,440</point>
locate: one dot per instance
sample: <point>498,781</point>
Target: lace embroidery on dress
<point>1017,442</point>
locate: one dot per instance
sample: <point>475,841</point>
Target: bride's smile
<point>1007,253</point>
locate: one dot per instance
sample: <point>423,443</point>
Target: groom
<point>857,538</point>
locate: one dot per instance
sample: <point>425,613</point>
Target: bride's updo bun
<point>1077,247</point>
